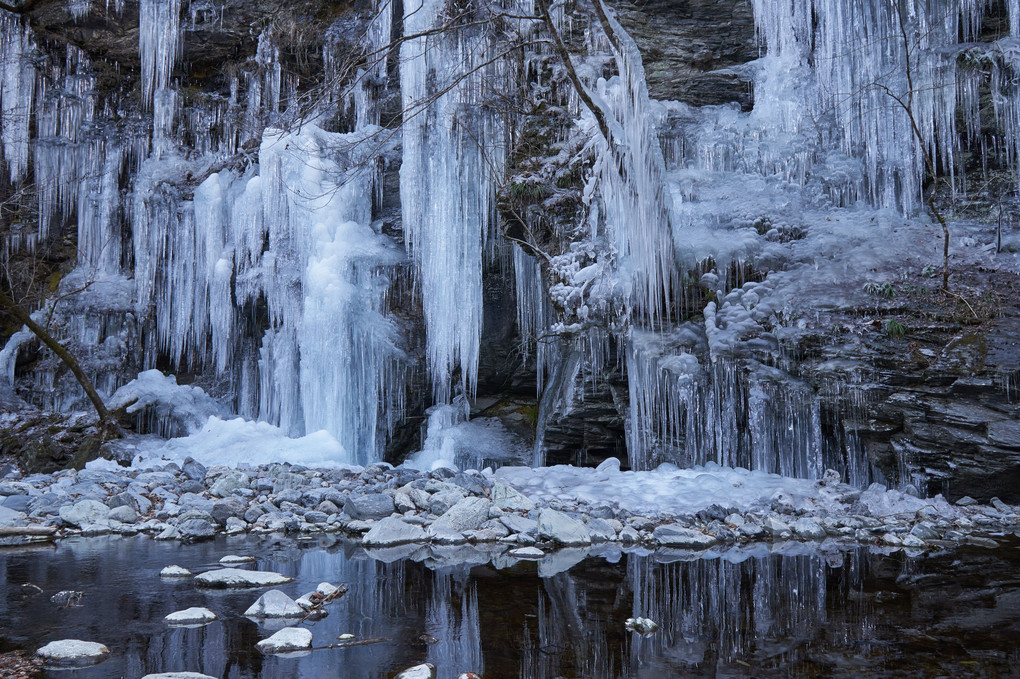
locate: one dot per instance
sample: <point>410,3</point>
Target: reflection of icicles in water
<point>457,628</point>
<point>723,610</point>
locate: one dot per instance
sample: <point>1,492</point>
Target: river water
<point>781,610</point>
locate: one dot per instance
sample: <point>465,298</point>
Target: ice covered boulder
<point>73,652</point>
<point>274,604</point>
<point>287,639</point>
<point>190,616</point>
<point>174,572</point>
<point>235,577</point>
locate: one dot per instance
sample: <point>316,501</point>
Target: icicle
<point>158,45</point>
<point>17,89</point>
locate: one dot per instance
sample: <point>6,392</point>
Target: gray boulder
<point>675,535</point>
<point>559,528</point>
<point>393,531</point>
<point>373,506</point>
<point>84,512</point>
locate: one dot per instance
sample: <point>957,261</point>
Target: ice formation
<point>240,241</point>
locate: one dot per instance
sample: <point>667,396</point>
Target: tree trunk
<point>62,353</point>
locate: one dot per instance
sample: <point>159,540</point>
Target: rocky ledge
<point>510,508</point>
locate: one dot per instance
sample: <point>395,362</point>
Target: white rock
<point>468,514</point>
<point>675,535</point>
<point>174,571</point>
<point>235,577</point>
<point>73,652</point>
<point>325,589</point>
<point>84,512</point>
<point>393,531</point>
<point>808,528</point>
<point>643,626</point>
<point>913,541</point>
<point>527,553</point>
<point>423,671</point>
<point>735,520</point>
<point>233,559</point>
<point>560,528</point>
<point>509,498</point>
<point>190,616</point>
<point>287,639</point>
<point>274,604</point>
<point>178,675</point>
<point>345,637</point>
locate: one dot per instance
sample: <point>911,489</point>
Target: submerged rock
<point>287,639</point>
<point>73,652</point>
<point>235,577</point>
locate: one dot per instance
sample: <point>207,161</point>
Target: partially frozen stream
<point>785,610</point>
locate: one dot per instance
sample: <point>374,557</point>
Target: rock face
<point>939,399</point>
<point>691,48</point>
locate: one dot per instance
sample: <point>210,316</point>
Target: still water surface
<point>766,612</point>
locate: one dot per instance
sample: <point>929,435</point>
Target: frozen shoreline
<point>510,508</point>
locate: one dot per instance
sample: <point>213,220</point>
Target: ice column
<point>451,143</point>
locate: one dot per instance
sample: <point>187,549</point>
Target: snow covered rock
<point>235,577</point>
<point>287,639</point>
<point>178,675</point>
<point>527,553</point>
<point>73,652</point>
<point>233,559</point>
<point>423,671</point>
<point>808,528</point>
<point>393,531</point>
<point>174,572</point>
<point>274,604</point>
<point>559,528</point>
<point>84,513</point>
<point>675,535</point>
<point>190,616</point>
<point>509,498</point>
